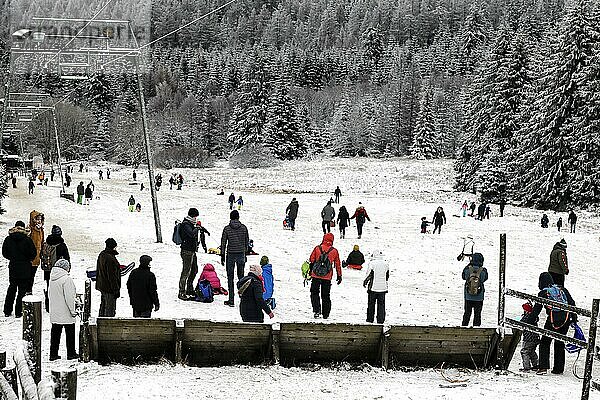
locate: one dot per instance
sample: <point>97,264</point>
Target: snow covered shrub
<point>253,156</point>
<point>183,157</point>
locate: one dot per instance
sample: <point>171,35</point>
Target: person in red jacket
<point>361,216</point>
<point>321,273</point>
<point>210,275</point>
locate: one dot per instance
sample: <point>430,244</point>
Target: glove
<point>222,260</point>
<point>156,307</point>
<point>339,279</point>
<point>271,315</point>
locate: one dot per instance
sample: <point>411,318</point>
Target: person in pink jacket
<point>209,274</point>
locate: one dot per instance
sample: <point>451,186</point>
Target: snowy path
<point>425,282</point>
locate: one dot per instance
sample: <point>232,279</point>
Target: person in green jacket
<point>559,267</point>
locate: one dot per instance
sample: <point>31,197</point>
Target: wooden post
<point>28,384</point>
<point>275,341</point>
<point>65,383</point>
<point>179,342</point>
<point>45,390</point>
<point>7,391</point>
<point>94,342</point>
<point>10,374</point>
<point>87,301</point>
<point>84,328</point>
<point>32,333</point>
<point>500,364</point>
<point>2,359</point>
<point>385,350</point>
<point>589,355</point>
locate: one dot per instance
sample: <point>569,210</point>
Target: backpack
<point>176,235</point>
<point>474,282</point>
<point>306,270</point>
<point>48,256</point>
<point>204,292</point>
<point>556,315</point>
<point>360,217</point>
<point>323,265</point>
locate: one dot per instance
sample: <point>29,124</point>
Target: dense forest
<point>507,87</point>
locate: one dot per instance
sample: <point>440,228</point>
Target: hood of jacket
<point>18,232</point>
<point>560,246</point>
<point>545,280</point>
<point>267,268</point>
<point>235,224</point>
<point>53,240</point>
<point>57,273</point>
<point>208,267</point>
<point>110,251</point>
<point>477,260</point>
<point>327,239</point>
<point>377,255</point>
<point>32,217</point>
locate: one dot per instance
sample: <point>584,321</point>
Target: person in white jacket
<point>376,282</point>
<point>61,296</point>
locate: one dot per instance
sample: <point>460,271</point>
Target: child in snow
<point>138,207</point>
<point>424,224</point>
<point>376,282</point>
<point>530,340</point>
<point>268,282</point>
<point>240,202</point>
<point>131,203</point>
<point>355,259</point>
<point>209,274</point>
<point>463,208</point>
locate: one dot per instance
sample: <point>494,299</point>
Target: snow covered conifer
<point>425,144</point>
<point>282,134</point>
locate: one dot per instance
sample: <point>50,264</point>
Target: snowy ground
<point>425,282</point>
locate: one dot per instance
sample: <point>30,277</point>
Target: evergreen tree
<point>425,144</point>
<point>248,118</point>
<point>100,98</point>
<point>282,134</point>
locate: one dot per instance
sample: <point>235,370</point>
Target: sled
<point>354,266</point>
<point>125,269</point>
<point>286,224</point>
<point>213,250</point>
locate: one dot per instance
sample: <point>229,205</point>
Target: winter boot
<point>317,315</point>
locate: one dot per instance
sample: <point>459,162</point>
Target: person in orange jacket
<point>323,259</point>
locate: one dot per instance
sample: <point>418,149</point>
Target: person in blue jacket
<point>269,285</point>
<point>474,275</point>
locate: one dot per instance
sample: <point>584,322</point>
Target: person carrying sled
<point>439,219</point>
<point>474,275</point>
<point>108,279</point>
<point>54,249</point>
<point>61,295</point>
<point>292,213</point>
<point>355,259</point>
<point>142,289</point>
<point>188,230</point>
<point>252,303</point>
<point>323,260</point>
<point>557,321</point>
<point>209,274</point>
<point>559,267</point>
<point>572,220</point>
<point>234,247</point>
<point>19,250</point>
<point>376,281</point>
<point>80,193</point>
<point>231,201</point>
<point>361,217</point>
<point>343,220</point>
<point>327,215</point>
<point>338,194</point>
<point>530,340</point>
<point>268,281</point>
<point>131,203</point>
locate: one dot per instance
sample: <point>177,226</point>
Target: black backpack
<point>322,266</point>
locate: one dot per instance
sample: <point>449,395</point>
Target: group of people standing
<point>328,217</point>
<point>85,195</point>
<point>571,220</point>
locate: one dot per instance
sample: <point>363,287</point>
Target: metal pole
<point>589,355</point>
<point>5,105</point>
<point>500,364</point>
<point>148,151</point>
<point>55,123</point>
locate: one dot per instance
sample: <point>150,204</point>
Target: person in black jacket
<point>355,259</point>
<point>188,230</point>
<point>572,220</point>
<point>234,244</point>
<point>19,250</point>
<point>108,279</point>
<point>142,289</point>
<point>231,200</point>
<point>252,304</point>
<point>439,219</point>
<point>80,193</point>
<point>338,194</point>
<point>556,321</point>
<point>343,220</point>
<point>292,213</point>
<point>55,244</point>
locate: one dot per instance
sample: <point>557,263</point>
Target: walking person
<point>327,215</point>
<point>240,203</point>
<point>142,289</point>
<point>100,175</point>
<point>376,281</point>
<point>14,182</point>
<point>343,220</point>
<point>530,340</point>
<point>559,223</point>
<point>292,213</point>
<point>171,182</point>
<point>80,167</point>
<point>439,219</point>
<point>481,212</point>
<point>572,220</point>
<point>474,275</point>
<point>131,203</point>
<point>61,294</point>
<point>31,186</point>
<point>487,211</point>
<point>231,200</point>
<point>557,321</point>
<point>80,193</point>
<point>89,193</point>
<point>19,250</point>
<point>52,173</point>
<point>203,232</point>
<point>37,235</point>
<point>107,173</point>
<point>108,279</point>
<point>252,303</point>
<point>472,208</point>
<point>234,247</point>
<point>54,249</point>
<point>338,194</point>
<point>545,221</point>
<point>134,175</point>
<point>188,231</point>
<point>559,267</point>
<point>502,205</point>
<point>464,208</point>
<point>323,259</point>
<point>361,217</point>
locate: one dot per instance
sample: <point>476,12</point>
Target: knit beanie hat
<point>56,230</point>
<point>64,264</point>
<point>234,215</point>
<point>355,248</point>
<point>145,260</point>
<point>256,270</point>
<point>110,243</point>
<point>264,260</point>
<point>563,242</point>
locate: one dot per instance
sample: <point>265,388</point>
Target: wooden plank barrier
<point>206,343</point>
<point>430,346</point>
<point>328,343</point>
<point>134,340</point>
